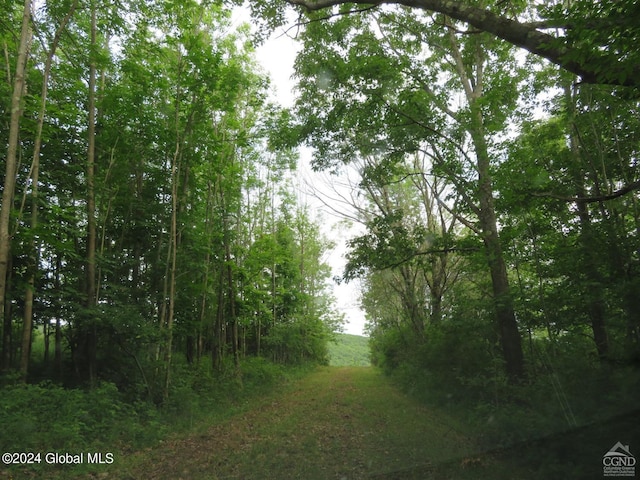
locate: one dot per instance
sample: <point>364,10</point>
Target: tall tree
<point>562,177</point>
<point>148,145</point>
<point>594,44</point>
<point>433,91</point>
<point>27,326</point>
<point>18,92</point>
<point>90,334</point>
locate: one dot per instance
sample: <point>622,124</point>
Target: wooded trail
<point>336,423</point>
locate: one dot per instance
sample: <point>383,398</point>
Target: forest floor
<point>336,423</point>
<point>351,423</point>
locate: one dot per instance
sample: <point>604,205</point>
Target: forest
<point>349,350</point>
<point>155,255</point>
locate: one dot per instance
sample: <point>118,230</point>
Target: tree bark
<point>510,340</point>
<point>19,84</point>
<point>90,327</point>
<point>594,298</point>
<point>57,285</point>
<point>231,291</point>
<point>173,249</point>
<point>7,333</point>
<point>27,327</point>
<point>219,333</point>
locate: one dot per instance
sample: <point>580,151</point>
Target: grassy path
<point>337,423</point>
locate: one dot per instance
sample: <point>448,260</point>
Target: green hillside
<point>349,350</point>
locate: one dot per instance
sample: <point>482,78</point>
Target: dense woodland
<point>150,231</point>
<point>492,184</point>
<point>490,151</point>
<point>149,214</point>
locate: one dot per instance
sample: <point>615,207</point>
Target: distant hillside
<point>350,350</point>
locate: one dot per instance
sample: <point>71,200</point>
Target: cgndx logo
<point>619,462</point>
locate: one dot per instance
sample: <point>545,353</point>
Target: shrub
<point>48,417</point>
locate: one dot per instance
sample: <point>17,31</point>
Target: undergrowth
<point>562,418</point>
<point>46,418</point>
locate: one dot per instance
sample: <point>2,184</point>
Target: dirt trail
<point>337,423</point>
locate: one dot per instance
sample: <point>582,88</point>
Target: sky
<point>277,56</point>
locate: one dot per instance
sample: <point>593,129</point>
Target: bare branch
<point>326,17</point>
<point>435,251</point>
<point>600,198</point>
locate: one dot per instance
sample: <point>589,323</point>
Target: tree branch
<point>437,251</point>
<point>523,35</point>
<point>327,17</point>
<point>600,198</point>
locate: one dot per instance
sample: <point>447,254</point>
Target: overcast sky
<point>277,56</point>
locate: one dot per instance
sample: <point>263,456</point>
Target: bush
<point>48,417</point>
<point>299,341</point>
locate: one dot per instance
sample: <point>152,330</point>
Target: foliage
<point>595,41</point>
<point>198,246</point>
<point>49,418</point>
<point>159,257</point>
<point>493,192</point>
<point>611,26</point>
<point>349,351</point>
<point>178,209</point>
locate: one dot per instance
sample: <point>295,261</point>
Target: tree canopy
<point>156,218</point>
<point>593,40</point>
<point>424,103</point>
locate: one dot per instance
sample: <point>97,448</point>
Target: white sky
<point>277,56</point>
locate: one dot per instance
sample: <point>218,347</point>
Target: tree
<point>594,43</point>
<point>90,334</point>
<point>569,230</point>
<point>411,233</point>
<point>381,98</point>
<point>18,92</point>
<point>27,326</point>
<point>144,223</point>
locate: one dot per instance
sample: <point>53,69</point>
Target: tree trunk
<point>90,327</point>
<point>7,332</point>
<point>173,247</point>
<point>412,305</point>
<point>27,324</point>
<point>57,355</point>
<point>27,327</point>
<point>594,298</point>
<point>203,306</point>
<point>219,340</point>
<point>19,85</point>
<point>231,293</point>
<point>510,339</point>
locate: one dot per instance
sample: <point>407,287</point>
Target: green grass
<point>353,423</point>
<point>47,418</point>
<point>338,422</point>
<point>349,351</point>
<point>325,423</point>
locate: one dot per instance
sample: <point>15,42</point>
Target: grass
<point>48,419</point>
<point>343,423</point>
<point>347,422</point>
